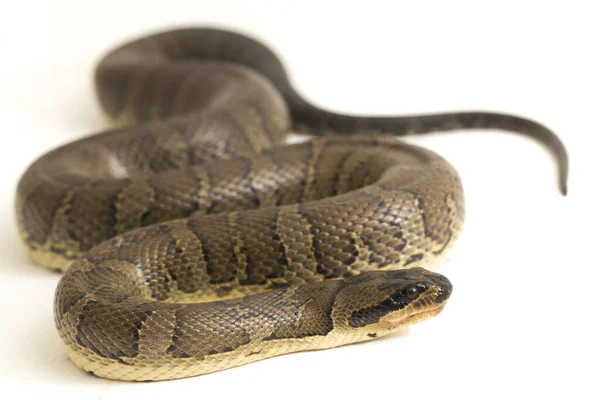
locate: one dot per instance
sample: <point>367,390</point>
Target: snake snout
<point>443,285</point>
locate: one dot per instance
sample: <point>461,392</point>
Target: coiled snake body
<point>197,242</point>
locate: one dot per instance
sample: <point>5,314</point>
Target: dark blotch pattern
<point>396,301</point>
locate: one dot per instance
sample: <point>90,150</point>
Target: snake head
<point>381,302</point>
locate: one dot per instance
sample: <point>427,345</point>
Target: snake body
<point>196,241</point>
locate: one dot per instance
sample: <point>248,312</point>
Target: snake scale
<point>194,240</point>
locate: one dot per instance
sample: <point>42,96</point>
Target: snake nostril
<point>443,285</point>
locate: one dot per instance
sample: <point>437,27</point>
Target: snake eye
<point>412,292</point>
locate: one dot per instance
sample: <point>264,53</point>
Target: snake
<point>194,239</point>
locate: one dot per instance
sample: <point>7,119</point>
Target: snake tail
<point>234,48</point>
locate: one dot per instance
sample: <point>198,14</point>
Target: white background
<point>522,319</point>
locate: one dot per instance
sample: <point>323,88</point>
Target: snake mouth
<point>422,315</point>
<point>431,305</point>
<point>417,315</point>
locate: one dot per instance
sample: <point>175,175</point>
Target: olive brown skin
<point>194,240</point>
